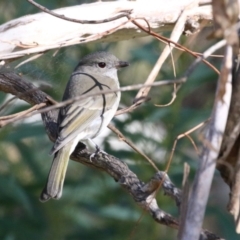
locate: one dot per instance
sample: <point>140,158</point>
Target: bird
<point>86,118</point>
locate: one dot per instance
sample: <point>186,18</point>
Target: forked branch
<point>142,193</point>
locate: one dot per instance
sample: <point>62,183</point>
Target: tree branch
<point>33,29</point>
<point>143,193</point>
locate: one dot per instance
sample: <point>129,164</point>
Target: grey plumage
<point>83,119</point>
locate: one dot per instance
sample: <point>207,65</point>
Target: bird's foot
<point>98,150</point>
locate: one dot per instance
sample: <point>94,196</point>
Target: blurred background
<point>93,206</point>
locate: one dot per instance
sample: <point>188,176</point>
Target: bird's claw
<point>98,150</point>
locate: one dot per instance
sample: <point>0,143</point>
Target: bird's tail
<point>54,185</point>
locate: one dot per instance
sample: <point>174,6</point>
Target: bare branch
<point>44,9</point>
<point>75,99</point>
<point>142,193</point>
<point>177,45</point>
<point>12,118</point>
<point>203,179</point>
<point>123,138</point>
<point>175,35</point>
<point>33,29</point>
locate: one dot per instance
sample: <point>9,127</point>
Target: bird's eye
<point>102,64</point>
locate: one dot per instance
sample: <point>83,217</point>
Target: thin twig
<point>185,194</point>
<point>129,143</point>
<point>135,105</point>
<point>197,61</point>
<point>206,54</point>
<point>34,57</point>
<point>164,39</point>
<point>18,96</point>
<point>175,35</point>
<point>7,103</point>
<point>103,34</point>
<point>173,64</point>
<point>14,117</point>
<point>70,101</point>
<point>186,134</point>
<point>124,13</point>
<point>174,95</point>
<point>33,108</point>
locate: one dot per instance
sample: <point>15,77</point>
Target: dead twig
<point>70,101</point>
<point>174,95</point>
<point>24,114</point>
<point>186,134</point>
<point>46,10</point>
<point>175,35</point>
<point>129,143</point>
<point>167,40</point>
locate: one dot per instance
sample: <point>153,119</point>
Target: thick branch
<point>142,193</point>
<point>40,32</point>
<point>14,84</point>
<point>212,143</point>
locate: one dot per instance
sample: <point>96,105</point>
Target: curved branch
<point>44,9</point>
<point>33,29</point>
<point>143,193</point>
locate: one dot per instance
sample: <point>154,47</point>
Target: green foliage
<point>93,206</point>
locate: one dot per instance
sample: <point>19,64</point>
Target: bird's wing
<point>75,118</point>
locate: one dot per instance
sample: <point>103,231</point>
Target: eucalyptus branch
<point>142,193</point>
<point>46,10</point>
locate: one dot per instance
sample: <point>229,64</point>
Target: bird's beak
<point>122,64</point>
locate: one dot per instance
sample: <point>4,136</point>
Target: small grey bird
<point>83,119</point>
